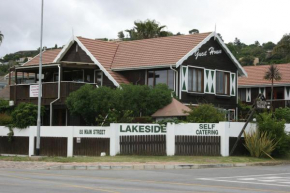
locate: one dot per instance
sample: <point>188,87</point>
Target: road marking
<point>156,182</point>
<point>276,179</point>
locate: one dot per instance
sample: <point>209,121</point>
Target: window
<point>195,80</point>
<point>99,78</point>
<point>78,75</point>
<point>242,94</point>
<point>161,76</point>
<point>222,83</point>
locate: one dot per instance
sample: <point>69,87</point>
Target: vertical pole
<point>39,86</point>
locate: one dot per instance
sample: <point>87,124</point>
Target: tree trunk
<point>272,89</point>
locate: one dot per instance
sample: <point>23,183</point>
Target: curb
<point>162,167</point>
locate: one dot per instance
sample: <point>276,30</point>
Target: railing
<point>20,93</point>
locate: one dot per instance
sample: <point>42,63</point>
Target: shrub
<point>25,115</point>
<point>276,130</point>
<point>259,144</point>
<point>5,119</point>
<point>4,105</point>
<point>283,113</point>
<point>205,113</point>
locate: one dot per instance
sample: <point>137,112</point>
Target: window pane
<point>194,82</point>
<point>199,75</point>
<point>226,83</point>
<point>150,78</point>
<point>161,77</point>
<point>190,79</point>
<point>219,82</point>
<point>171,79</point>
<point>99,78</point>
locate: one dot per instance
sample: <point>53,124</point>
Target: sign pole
<point>39,86</point>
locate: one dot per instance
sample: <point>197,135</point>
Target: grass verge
<point>145,159</point>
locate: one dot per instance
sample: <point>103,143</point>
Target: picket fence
<point>211,139</point>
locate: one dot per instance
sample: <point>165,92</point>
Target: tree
<point>193,31</point>
<point>237,42</point>
<point>247,60</point>
<point>272,74</point>
<point>121,35</point>
<point>147,29</point>
<point>283,47</point>
<point>205,113</point>
<point>268,46</point>
<point>25,115</point>
<point>1,37</point>
<point>257,43</point>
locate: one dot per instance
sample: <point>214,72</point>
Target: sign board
<point>262,104</point>
<point>197,129</point>
<point>33,91</point>
<point>142,129</point>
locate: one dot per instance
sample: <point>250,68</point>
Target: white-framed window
<point>222,83</point>
<point>195,79</point>
<point>99,77</point>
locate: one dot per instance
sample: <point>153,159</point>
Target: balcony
<point>20,93</point>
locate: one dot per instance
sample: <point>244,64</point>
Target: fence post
<point>32,133</point>
<point>170,139</point>
<point>70,141</point>
<point>114,139</point>
<point>224,133</point>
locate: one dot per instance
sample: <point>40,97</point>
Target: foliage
<point>121,35</point>
<point>193,31</point>
<point>4,105</point>
<point>115,116</point>
<point>25,115</point>
<point>147,29</point>
<point>259,144</point>
<point>283,114</point>
<point>165,121</point>
<point>276,130</point>
<point>272,74</point>
<point>283,47</point>
<point>5,119</point>
<point>1,37</point>
<point>243,109</point>
<point>130,100</point>
<point>247,61</point>
<point>205,113</point>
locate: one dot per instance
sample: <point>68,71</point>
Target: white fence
<point>113,132</point>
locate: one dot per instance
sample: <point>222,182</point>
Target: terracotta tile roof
<point>47,57</point>
<point>256,75</point>
<point>155,51</point>
<point>174,109</point>
<point>104,52</point>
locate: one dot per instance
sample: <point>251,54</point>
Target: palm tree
<point>272,74</point>
<point>1,37</point>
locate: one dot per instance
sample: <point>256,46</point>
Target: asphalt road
<point>244,179</point>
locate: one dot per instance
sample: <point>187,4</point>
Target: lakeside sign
<point>142,129</point>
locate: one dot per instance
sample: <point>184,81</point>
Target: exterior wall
<point>212,63</point>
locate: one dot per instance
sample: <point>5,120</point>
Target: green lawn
<point>144,159</point>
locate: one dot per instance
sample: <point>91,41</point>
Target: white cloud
<point>248,20</point>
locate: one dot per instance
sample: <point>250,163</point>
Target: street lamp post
<point>39,86</point>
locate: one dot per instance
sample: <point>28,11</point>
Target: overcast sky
<point>249,20</point>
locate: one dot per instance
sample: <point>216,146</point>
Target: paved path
<point>226,180</point>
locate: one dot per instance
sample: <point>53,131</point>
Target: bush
<point>276,131</point>
<point>25,115</point>
<point>5,119</point>
<point>4,105</point>
<point>140,100</point>
<point>283,114</point>
<point>205,113</point>
<point>259,144</point>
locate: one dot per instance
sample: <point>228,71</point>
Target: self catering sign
<point>198,129</point>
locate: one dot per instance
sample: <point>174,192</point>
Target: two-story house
<point>199,68</point>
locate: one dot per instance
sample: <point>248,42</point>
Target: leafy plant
<point>276,131</point>
<point>115,116</point>
<point>25,115</point>
<point>259,144</point>
<point>4,105</point>
<point>5,119</point>
<point>205,113</point>
<point>283,114</point>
